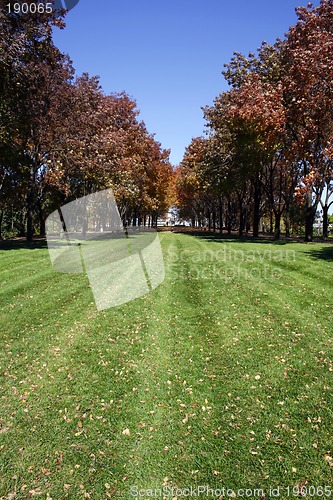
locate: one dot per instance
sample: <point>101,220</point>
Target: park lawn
<point>221,377</point>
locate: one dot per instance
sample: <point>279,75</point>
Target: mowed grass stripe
<point>159,437</point>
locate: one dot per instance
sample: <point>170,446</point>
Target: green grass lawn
<point>221,377</point>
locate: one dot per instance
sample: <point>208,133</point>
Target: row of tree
<point>268,153</point>
<point>61,137</point>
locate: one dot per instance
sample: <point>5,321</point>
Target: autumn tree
<point>33,70</point>
<point>62,138</point>
<point>102,144</point>
<point>193,197</point>
<point>221,170</point>
<point>296,77</point>
<point>308,93</point>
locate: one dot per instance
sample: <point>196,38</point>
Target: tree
<point>33,70</point>
<point>283,98</point>
<point>102,144</point>
<point>190,188</point>
<point>61,139</point>
<point>308,91</point>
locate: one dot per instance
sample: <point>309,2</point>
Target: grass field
<point>221,377</point>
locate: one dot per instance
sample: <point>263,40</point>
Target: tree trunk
<point>134,218</point>
<point>309,218</point>
<point>209,221</point>
<point>12,218</point>
<point>30,229</point>
<point>271,222</point>
<point>221,215</point>
<point>246,220</point>
<point>1,219</point>
<point>256,208</point>
<point>325,221</point>
<point>241,222</point>
<point>277,226</point>
<point>287,222</point>
<point>310,212</point>
<point>241,217</point>
<point>85,218</point>
<point>22,232</point>
<point>229,225</point>
<point>31,202</point>
<point>42,229</point>
<point>214,220</point>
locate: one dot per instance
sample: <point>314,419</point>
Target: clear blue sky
<point>169,55</point>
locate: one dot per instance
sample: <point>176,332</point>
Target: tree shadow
<point>224,238</point>
<point>325,253</point>
<point>22,244</point>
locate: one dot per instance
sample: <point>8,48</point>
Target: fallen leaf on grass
<point>300,489</point>
<point>110,490</point>
<point>59,461</point>
<point>329,460</point>
<point>34,493</point>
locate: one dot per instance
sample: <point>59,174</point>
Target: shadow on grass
<point>224,237</point>
<point>325,253</point>
<point>234,237</point>
<point>22,244</point>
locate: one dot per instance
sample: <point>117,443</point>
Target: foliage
<point>273,129</point>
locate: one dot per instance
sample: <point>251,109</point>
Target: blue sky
<point>169,55</point>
